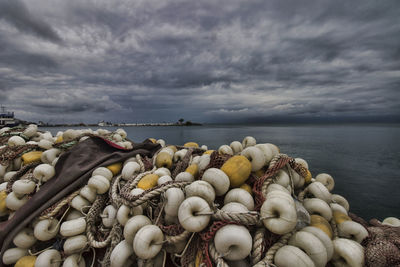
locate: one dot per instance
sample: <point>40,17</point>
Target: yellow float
<point>238,169</point>
<point>26,261</point>
<point>115,168</point>
<point>32,156</point>
<point>148,181</point>
<point>321,223</point>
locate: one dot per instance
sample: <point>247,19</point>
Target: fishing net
<point>382,246</point>
<point>79,158</point>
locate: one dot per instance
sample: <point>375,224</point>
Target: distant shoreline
<point>121,124</point>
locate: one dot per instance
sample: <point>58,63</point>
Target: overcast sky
<point>205,61</point>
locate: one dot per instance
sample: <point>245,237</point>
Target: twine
<point>53,211</point>
<point>269,257</point>
<point>93,214</point>
<point>258,248</point>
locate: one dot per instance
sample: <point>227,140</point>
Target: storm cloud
<point>206,61</point>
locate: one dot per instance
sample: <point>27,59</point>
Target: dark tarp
<point>73,170</point>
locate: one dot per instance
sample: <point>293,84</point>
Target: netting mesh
<point>382,246</point>
<point>9,153</point>
<point>190,256</point>
<point>216,161</point>
<point>148,163</point>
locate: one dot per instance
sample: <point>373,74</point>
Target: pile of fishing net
<point>95,198</point>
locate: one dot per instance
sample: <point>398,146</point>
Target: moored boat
<point>7,118</point>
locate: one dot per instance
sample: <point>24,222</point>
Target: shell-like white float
<point>108,216</point>
<point>188,214</point>
<point>120,256</point>
<point>352,230</point>
<point>326,180</point>
<point>241,196</point>
<point>320,191</point>
<point>279,215</point>
<point>201,189</point>
<point>46,229</point>
<point>236,147</point>
<point>319,207</point>
<point>174,197</point>
<point>347,253</point>
<point>44,172</point>
<point>234,242</point>
<point>310,244</point>
<point>50,258</point>
<point>225,149</point>
<point>218,179</point>
<point>249,141</point>
<point>148,241</point>
<point>255,156</point>
<point>290,256</point>
<point>24,238</point>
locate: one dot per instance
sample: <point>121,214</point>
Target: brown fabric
<point>73,170</point>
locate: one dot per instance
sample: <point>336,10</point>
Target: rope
<point>277,163</point>
<point>249,218</point>
<point>178,238</point>
<point>116,237</point>
<point>93,214</point>
<point>216,256</point>
<point>53,211</point>
<point>258,247</point>
<point>134,201</point>
<point>206,236</point>
<point>269,256</point>
<point>131,184</point>
<point>302,194</point>
<point>140,162</point>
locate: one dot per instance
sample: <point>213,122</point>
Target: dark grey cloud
<point>16,13</point>
<point>204,60</point>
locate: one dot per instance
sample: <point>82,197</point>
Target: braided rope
<point>277,163</point>
<point>177,238</point>
<point>116,237</point>
<point>258,247</point>
<point>91,217</point>
<point>53,211</point>
<point>302,194</point>
<point>216,256</point>
<point>114,196</point>
<point>269,256</point>
<point>140,162</point>
<point>249,218</point>
<point>147,195</point>
<point>131,184</point>
<point>207,235</point>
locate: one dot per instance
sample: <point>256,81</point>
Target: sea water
<point>364,159</point>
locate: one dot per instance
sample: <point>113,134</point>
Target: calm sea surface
<point>363,159</point>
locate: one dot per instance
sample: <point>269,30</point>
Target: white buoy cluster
<point>312,221</point>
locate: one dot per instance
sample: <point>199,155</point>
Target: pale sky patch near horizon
<point>205,61</point>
